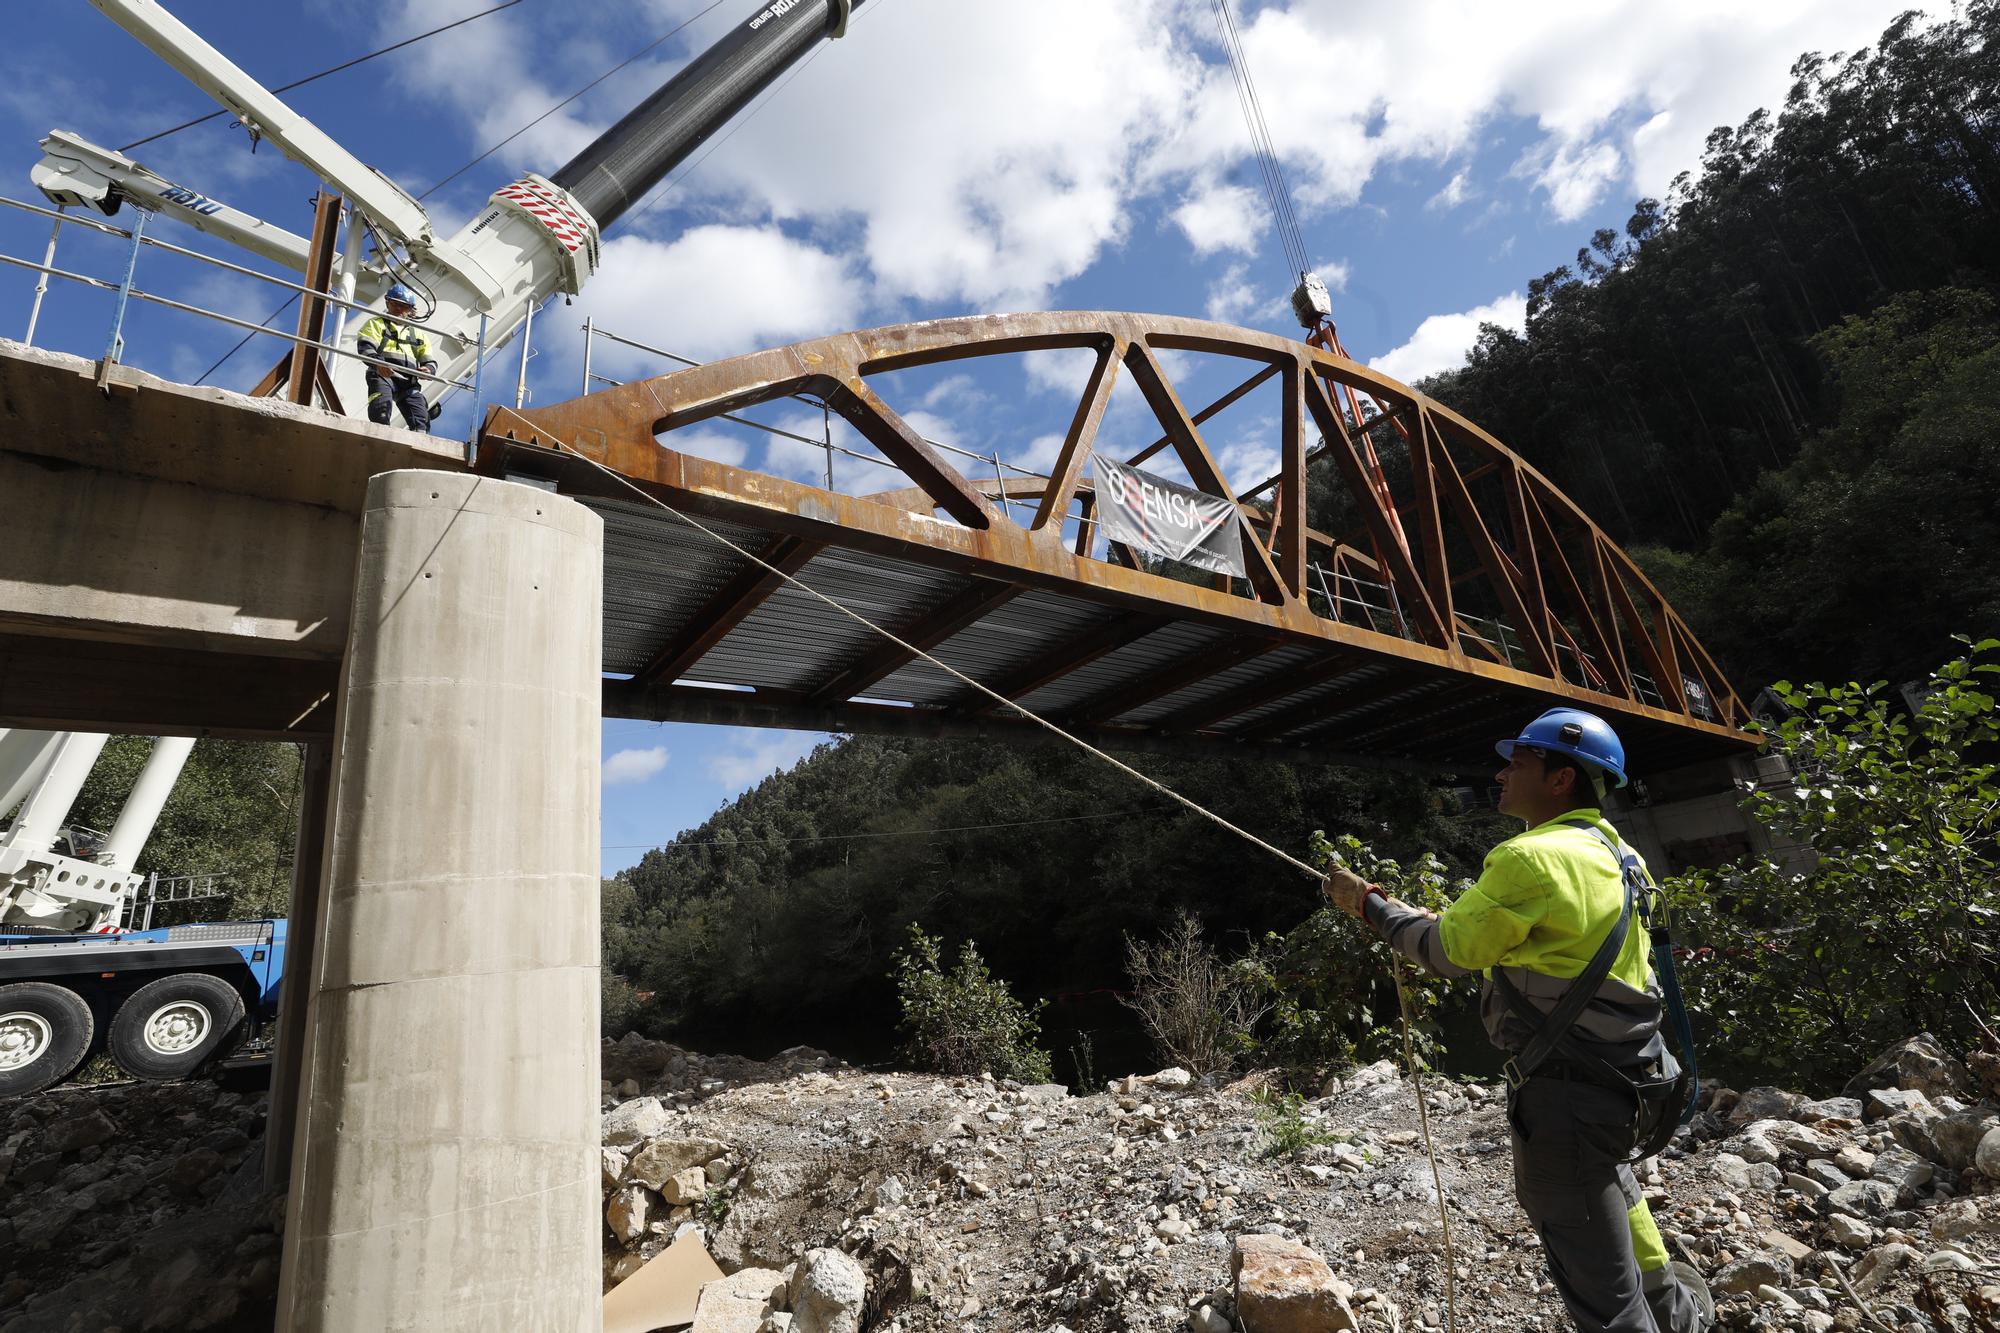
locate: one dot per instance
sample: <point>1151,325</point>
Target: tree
<point>233,814</point>
<point>1805,974</point>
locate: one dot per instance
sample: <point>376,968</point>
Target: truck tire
<point>175,1026</point>
<point>45,1032</point>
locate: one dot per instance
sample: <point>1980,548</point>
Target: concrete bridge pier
<point>444,1168</point>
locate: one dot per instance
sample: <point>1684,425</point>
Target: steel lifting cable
<point>1395,959</point>
<point>1284,219</point>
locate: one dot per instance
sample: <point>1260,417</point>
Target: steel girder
<point>1500,592</point>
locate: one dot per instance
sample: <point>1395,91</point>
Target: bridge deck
<point>696,631</point>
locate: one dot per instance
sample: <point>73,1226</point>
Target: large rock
<point>1957,1137</point>
<point>738,1303</point>
<point>1918,1063</point>
<point>1987,1156</point>
<point>689,1186</point>
<point>1828,1108</point>
<point>1902,1169</point>
<point>81,1131</point>
<point>1764,1104</point>
<point>1753,1271</point>
<point>1874,1267</point>
<point>635,1057</point>
<point>1886,1103</point>
<point>1862,1198</point>
<point>828,1292</point>
<point>664,1158</point>
<point>1284,1287</point>
<point>627,1213</point>
<point>1738,1174</point>
<point>631,1123</point>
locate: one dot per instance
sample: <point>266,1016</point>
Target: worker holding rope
<point>1572,998</point>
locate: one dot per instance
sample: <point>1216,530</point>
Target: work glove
<point>1347,890</point>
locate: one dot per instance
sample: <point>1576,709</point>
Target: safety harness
<point>1665,1101</point>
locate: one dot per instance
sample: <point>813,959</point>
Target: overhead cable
<point>300,83</point>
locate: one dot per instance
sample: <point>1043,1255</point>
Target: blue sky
<point>944,158</point>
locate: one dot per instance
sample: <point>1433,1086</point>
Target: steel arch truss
<point>1465,587</point>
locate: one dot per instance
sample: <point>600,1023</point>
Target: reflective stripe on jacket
<point>394,340</point>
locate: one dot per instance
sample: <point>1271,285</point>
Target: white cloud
<point>751,759</point>
<point>1441,341</point>
<point>1009,148</point>
<point>1233,296</point>
<point>1227,217</point>
<point>1576,176</point>
<point>703,442</point>
<point>633,766</point>
<point>718,290</point>
<point>1063,370</point>
<point>1455,192</point>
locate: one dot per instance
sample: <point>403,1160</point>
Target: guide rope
<point>1395,960</point>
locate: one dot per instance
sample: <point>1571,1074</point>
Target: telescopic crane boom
<point>535,237</point>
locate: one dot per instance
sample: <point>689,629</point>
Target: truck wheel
<point>170,1028</point>
<point>45,1032</point>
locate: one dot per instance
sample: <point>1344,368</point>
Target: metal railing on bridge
<point>125,290</point>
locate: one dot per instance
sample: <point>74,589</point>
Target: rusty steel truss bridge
<point>1465,593</point>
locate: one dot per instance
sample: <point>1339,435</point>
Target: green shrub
<point>1199,1010</point>
<point>1285,1131</point>
<point>1897,930</point>
<point>964,1021</point>
<point>1331,993</point>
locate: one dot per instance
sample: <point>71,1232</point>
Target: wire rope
<point>1028,715</point>
<point>300,83</point>
<point>1284,217</point>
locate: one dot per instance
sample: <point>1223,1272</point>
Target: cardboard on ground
<point>663,1293</point>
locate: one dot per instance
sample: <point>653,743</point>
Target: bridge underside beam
<point>1409,654</point>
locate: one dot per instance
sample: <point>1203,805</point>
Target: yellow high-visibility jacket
<point>1543,903</point>
<point>394,342</point>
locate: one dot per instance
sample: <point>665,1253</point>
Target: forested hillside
<point>1787,368</point>
<point>1780,387</point>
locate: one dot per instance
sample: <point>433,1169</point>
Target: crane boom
<point>536,236</point>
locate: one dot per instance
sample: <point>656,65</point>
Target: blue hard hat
<point>1580,735</point>
<point>401,294</point>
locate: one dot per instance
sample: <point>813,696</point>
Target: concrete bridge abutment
<point>444,1168</point>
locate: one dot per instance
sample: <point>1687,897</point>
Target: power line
<point>300,83</point>
<point>888,833</point>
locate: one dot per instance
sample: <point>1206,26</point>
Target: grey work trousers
<point>1570,1141</point>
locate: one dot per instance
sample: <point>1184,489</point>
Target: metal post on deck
<point>826,425</point>
<point>521,383</point>
<point>586,357</point>
<point>116,346</point>
<point>42,278</point>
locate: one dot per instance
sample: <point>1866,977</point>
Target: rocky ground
<point>975,1204</point>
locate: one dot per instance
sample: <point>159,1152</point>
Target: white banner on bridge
<point>1143,510</point>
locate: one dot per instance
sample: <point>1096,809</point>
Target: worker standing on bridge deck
<point>395,349</point>
<point>1546,910</point>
